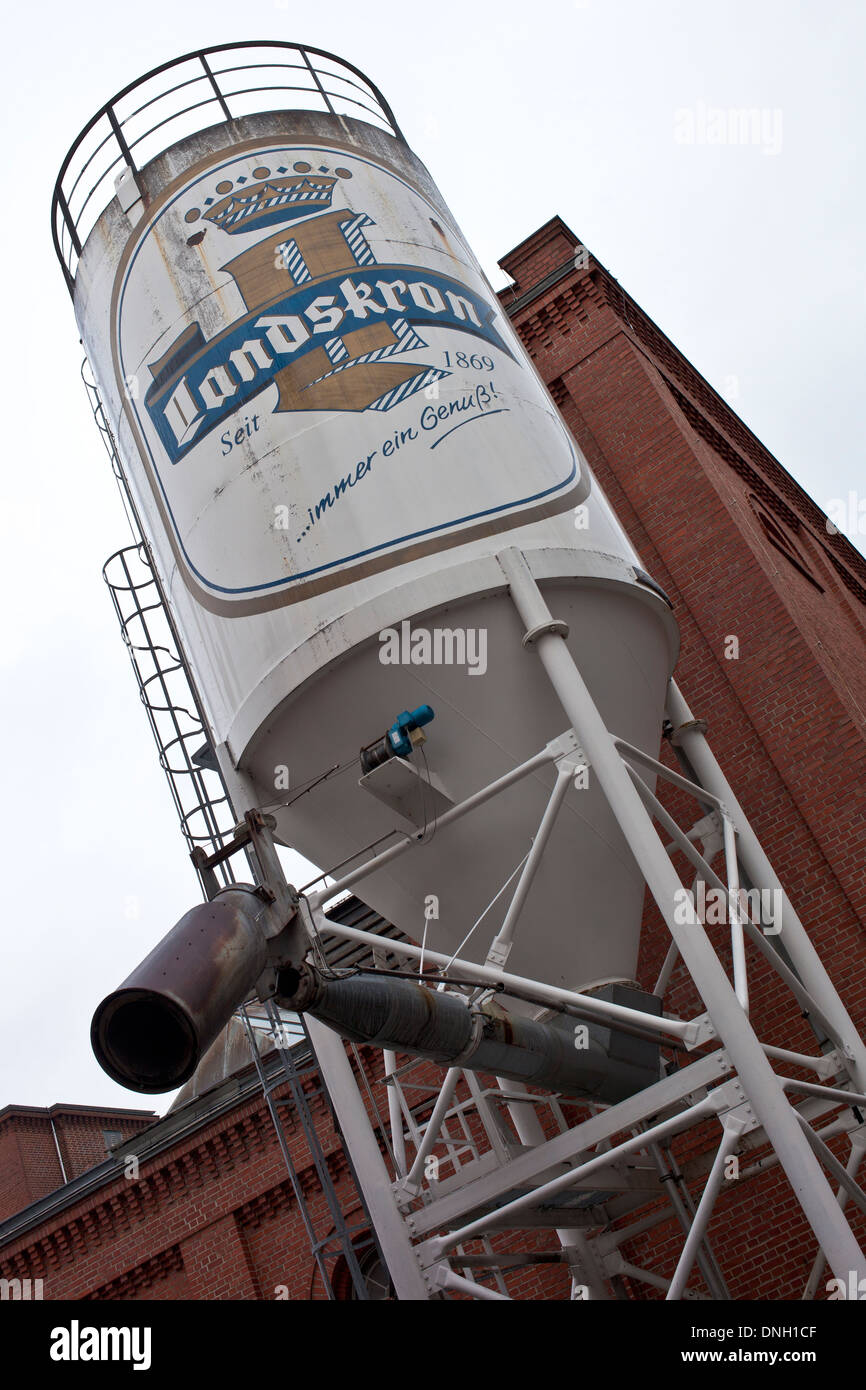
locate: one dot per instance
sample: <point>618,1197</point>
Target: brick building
<point>196,1205</point>
<point>43,1148</point>
<point>743,552</point>
<point>772,612</point>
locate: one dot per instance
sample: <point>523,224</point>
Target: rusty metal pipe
<point>151,1033</point>
<point>597,1063</point>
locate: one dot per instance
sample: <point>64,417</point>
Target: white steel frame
<point>422,1226</point>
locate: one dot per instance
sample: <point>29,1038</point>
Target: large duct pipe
<point>151,1033</point>
<point>595,1064</point>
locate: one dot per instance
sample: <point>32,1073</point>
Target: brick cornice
<point>553,296</point>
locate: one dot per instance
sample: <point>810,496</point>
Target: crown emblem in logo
<point>275,197</point>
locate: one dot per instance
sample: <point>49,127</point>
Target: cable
<point>425,840</point>
<point>428,978</point>
<point>336,770</point>
<point>512,875</point>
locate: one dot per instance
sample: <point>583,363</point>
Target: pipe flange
<point>297,987</point>
<point>694,726</point>
<point>555,628</point>
<point>478,1023</point>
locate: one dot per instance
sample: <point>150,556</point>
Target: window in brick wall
<point>374,1273</point>
<point>111,1137</point>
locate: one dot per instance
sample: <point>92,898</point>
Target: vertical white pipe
<point>57,1147</point>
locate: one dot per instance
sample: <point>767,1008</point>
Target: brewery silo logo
<point>324,320</point>
<point>319,381</point>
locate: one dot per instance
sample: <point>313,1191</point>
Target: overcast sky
<point>749,256</point>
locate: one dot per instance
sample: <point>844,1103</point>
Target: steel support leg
<point>805,958</point>
<point>730,1139</point>
<point>503,941</point>
<point>373,1176</point>
<point>395,1113</point>
<point>706,1263</point>
<point>585,1268</point>
<point>855,1158</point>
<point>430,1138</point>
<point>760,1083</point>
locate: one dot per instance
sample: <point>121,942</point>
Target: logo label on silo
<point>327,387</point>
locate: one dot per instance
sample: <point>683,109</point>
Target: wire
<point>512,875</point>
<point>308,786</point>
<point>430,979</point>
<point>327,970</point>
<point>425,840</point>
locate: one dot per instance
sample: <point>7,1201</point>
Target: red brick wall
<point>742,552</point>
<point>213,1217</point>
<point>29,1165</point>
<point>82,1136</point>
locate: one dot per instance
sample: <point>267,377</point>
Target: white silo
<point>363,509</point>
<point>331,430</point>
